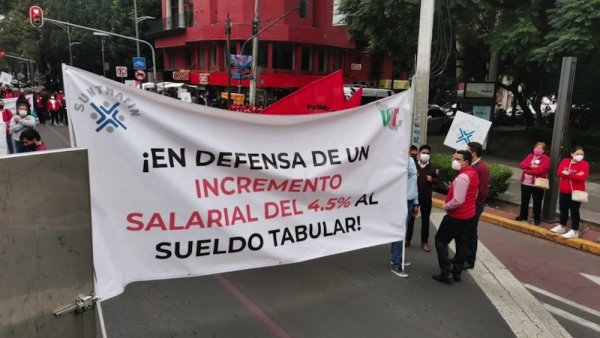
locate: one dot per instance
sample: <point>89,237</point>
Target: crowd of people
<point>21,135</point>
<point>466,198</point>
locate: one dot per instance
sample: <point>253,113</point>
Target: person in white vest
<point>21,121</point>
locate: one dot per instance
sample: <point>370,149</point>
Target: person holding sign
<point>572,173</point>
<point>459,218</point>
<point>534,180</point>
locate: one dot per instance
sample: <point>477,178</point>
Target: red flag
<point>323,95</point>
<point>354,101</point>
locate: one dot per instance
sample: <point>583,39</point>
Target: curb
<point>536,231</point>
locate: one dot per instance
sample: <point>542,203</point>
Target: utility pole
<point>421,94</point>
<point>560,133</point>
<point>137,32</point>
<point>228,33</point>
<point>252,94</point>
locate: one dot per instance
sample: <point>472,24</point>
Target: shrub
<point>499,175</point>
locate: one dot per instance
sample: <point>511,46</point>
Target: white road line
<point>568,316</point>
<point>593,278</point>
<point>563,300</point>
<point>523,313</point>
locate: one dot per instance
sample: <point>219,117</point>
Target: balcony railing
<point>169,26</point>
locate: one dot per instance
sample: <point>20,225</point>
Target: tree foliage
<point>530,37</point>
<point>49,46</point>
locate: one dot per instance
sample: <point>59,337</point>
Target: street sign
<point>139,75</point>
<point>121,71</point>
<point>139,62</point>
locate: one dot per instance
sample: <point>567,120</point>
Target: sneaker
<point>407,263</point>
<point>559,229</point>
<point>571,234</point>
<point>399,272</point>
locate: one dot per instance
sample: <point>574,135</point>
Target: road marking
<point>270,323</point>
<point>571,317</point>
<point>593,278</point>
<point>523,313</point>
<point>563,300</point>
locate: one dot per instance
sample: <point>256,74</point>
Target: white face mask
<point>424,157</point>
<point>22,113</point>
<point>578,158</point>
<point>456,165</point>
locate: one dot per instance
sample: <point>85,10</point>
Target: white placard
<point>5,78</point>
<point>466,128</point>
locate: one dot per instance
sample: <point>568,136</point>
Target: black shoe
<point>468,266</point>
<point>443,279</point>
<point>537,222</point>
<point>456,277</point>
<point>519,218</point>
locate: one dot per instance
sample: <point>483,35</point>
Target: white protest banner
<point>466,128</point>
<point>180,190</point>
<point>5,78</point>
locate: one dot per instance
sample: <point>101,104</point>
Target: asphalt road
<point>520,285</point>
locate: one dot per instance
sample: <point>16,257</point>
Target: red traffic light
<point>2,54</point>
<point>36,16</point>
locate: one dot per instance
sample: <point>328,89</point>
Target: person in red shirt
<point>459,219</point>
<point>483,173</point>
<point>32,141</point>
<point>535,165</point>
<point>7,115</point>
<point>53,106</point>
<point>572,173</point>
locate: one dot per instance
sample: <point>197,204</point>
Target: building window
<point>263,54</point>
<point>336,59</point>
<point>213,54</point>
<point>323,60</point>
<point>189,58</point>
<point>188,10</point>
<point>306,58</point>
<point>283,56</point>
<point>201,55</point>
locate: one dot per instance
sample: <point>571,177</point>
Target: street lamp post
<point>102,37</point>
<point>137,33</point>
<point>71,44</point>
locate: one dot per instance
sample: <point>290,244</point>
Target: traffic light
<point>2,54</point>
<point>36,16</point>
<point>302,8</point>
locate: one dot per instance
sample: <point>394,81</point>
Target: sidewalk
<point>589,211</point>
<point>590,240</point>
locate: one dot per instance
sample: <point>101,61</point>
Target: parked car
<point>437,120</point>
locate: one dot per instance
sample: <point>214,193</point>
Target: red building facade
<point>293,51</point>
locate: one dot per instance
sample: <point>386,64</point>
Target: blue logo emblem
<point>465,136</point>
<point>139,62</point>
<point>108,118</point>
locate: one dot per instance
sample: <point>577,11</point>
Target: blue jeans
<point>398,246</point>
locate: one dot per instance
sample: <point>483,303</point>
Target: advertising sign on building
<point>241,66</point>
<point>182,75</point>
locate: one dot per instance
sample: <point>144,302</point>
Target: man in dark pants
<point>483,173</point>
<point>460,215</point>
<point>427,177</point>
